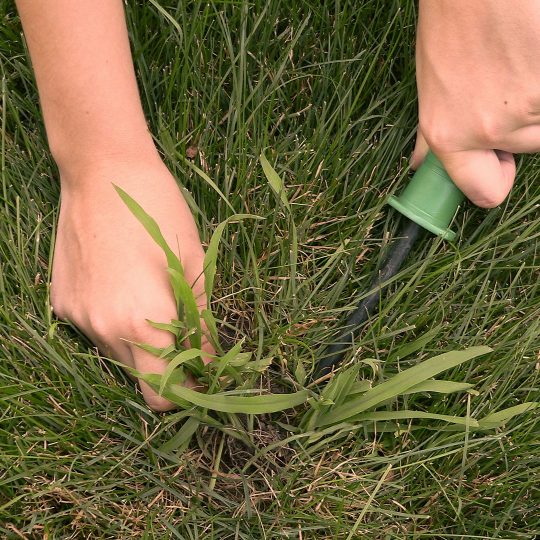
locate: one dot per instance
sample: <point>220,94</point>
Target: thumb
<point>485,176</point>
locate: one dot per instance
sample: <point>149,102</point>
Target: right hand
<point>478,75</point>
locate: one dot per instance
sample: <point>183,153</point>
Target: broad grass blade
<point>438,387</point>
<point>236,404</point>
<point>210,258</point>
<point>210,321</point>
<point>178,360</point>
<point>222,363</point>
<point>334,394</point>
<point>409,415</point>
<point>160,352</point>
<point>181,439</point>
<point>154,380</point>
<point>499,418</point>
<point>174,329</point>
<point>184,293</point>
<point>275,181</point>
<point>360,387</point>
<point>400,383</point>
<point>413,346</point>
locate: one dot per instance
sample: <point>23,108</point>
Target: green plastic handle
<point>430,199</point>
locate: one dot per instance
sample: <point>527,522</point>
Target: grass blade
<point>222,363</point>
<point>209,181</point>
<point>275,181</point>
<point>160,352</point>
<point>411,347</point>
<point>400,383</point>
<point>261,404</point>
<point>210,258</point>
<point>184,293</point>
<point>210,321</point>
<point>174,329</point>
<point>409,415</point>
<point>438,387</point>
<point>499,418</point>
<point>181,439</point>
<point>178,360</point>
<point>151,226</point>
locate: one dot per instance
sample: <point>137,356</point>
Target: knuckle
<point>437,135</point>
<point>529,107</point>
<point>442,136</point>
<point>490,130</point>
<point>102,326</point>
<point>129,317</point>
<point>135,322</point>
<point>154,401</point>
<point>137,329</point>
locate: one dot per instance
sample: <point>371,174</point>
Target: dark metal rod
<point>399,250</point>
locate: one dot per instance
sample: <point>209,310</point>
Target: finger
<point>206,344</point>
<point>146,362</point>
<point>207,347</point>
<point>196,281</point>
<point>118,351</point>
<point>420,150</point>
<point>115,349</point>
<point>523,140</point>
<point>485,176</point>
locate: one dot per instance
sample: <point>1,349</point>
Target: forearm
<point>86,81</point>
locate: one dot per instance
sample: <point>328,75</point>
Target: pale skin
<point>108,276</point>
<point>478,75</point>
<point>478,70</point>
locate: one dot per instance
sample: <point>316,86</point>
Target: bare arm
<point>82,62</point>
<point>108,277</point>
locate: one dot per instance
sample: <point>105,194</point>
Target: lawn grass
<point>325,89</point>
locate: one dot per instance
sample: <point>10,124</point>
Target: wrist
<point>76,161</point>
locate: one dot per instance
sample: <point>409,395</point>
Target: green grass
<point>326,91</point>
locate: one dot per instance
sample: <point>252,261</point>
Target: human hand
<point>478,76</point>
<point>109,276</point>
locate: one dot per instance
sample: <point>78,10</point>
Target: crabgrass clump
<point>229,380</point>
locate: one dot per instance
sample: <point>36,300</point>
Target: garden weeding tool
<point>430,201</point>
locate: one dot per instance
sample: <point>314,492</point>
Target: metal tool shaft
<point>399,250</point>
